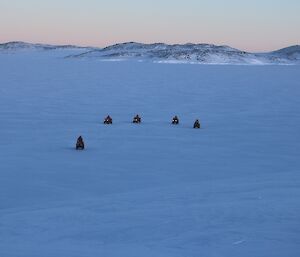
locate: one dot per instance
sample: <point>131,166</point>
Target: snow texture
<point>229,189</point>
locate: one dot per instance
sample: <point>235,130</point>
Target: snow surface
<point>230,189</point>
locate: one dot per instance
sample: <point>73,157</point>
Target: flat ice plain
<point>230,189</point>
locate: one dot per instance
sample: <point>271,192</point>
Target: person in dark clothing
<point>137,119</point>
<point>197,124</point>
<point>175,120</point>
<point>79,143</point>
<point>108,120</point>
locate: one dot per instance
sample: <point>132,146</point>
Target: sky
<point>250,25</point>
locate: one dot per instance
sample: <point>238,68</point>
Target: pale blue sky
<point>248,25</point>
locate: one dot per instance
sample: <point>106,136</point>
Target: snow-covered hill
<point>291,53</point>
<point>18,46</point>
<point>164,53</point>
<point>192,53</point>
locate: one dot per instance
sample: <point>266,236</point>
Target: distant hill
<point>19,45</point>
<point>164,53</point>
<point>291,53</point>
<point>193,53</point>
